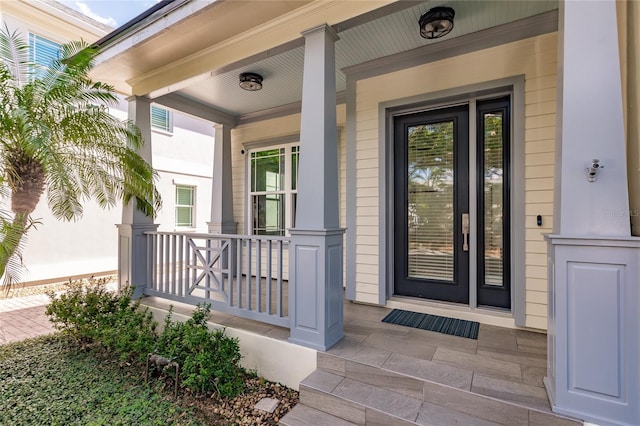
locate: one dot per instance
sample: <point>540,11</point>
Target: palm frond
<point>55,125</point>
<point>14,53</point>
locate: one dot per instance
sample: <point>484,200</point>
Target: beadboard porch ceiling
<point>381,32</point>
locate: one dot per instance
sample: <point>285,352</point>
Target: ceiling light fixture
<point>250,81</point>
<point>436,22</point>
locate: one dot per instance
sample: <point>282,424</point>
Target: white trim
<point>194,203</point>
<point>180,181</point>
<point>287,190</point>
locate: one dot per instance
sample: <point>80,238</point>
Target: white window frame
<point>287,190</point>
<point>36,39</point>
<point>192,206</point>
<point>168,129</point>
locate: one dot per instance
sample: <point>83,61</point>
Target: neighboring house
<point>183,155</point>
<point>454,175</point>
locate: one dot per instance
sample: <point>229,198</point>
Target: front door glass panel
<point>493,186</point>
<point>430,203</point>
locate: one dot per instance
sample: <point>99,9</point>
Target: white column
<point>590,123</point>
<point>133,267</point>
<point>593,262</point>
<point>315,265</point>
<point>222,184</point>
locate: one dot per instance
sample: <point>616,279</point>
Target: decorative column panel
<point>315,255</point>
<point>222,184</point>
<point>133,257</point>
<point>593,262</point>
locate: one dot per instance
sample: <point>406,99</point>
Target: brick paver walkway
<point>24,317</point>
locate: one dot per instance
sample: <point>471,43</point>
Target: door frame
<point>451,97</point>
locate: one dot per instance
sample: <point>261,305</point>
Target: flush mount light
<point>436,22</point>
<point>250,81</point>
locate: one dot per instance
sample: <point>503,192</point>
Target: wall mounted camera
<point>592,170</point>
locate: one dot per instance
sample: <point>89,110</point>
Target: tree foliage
<point>57,137</point>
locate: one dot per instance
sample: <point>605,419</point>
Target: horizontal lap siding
<point>536,59</point>
<point>367,215</point>
<point>540,132</point>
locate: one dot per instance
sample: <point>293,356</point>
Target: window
<point>161,119</point>
<point>42,52</point>
<point>273,191</point>
<point>185,202</point>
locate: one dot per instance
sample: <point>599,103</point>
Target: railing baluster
<point>268,278</point>
<point>180,264</point>
<point>160,267</point>
<point>208,248</point>
<point>167,264</point>
<point>187,266</point>
<point>231,267</point>
<point>259,275</point>
<point>249,260</point>
<point>279,287</point>
<point>174,254</point>
<point>149,243</point>
<point>154,262</point>
<point>194,269</point>
<point>239,270</point>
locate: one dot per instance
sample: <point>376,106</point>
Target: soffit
<point>201,56</point>
<point>207,27</point>
<point>198,37</point>
<point>387,35</point>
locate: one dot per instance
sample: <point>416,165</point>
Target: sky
<point>110,12</point>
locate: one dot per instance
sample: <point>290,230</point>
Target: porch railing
<point>241,275</point>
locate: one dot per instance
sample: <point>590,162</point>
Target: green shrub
<point>80,309</point>
<point>89,312</point>
<point>209,360</point>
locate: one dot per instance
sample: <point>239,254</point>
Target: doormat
<point>452,326</point>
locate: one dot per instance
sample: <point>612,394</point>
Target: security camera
<point>592,170</point>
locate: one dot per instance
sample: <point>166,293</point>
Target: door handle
<point>465,231</point>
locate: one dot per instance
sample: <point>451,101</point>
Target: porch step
<point>302,415</point>
<point>410,391</point>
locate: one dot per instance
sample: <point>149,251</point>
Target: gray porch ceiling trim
<point>282,110</point>
<point>196,109</point>
<point>513,31</point>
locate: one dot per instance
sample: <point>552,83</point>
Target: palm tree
<point>57,136</point>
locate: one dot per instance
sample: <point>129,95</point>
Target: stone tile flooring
<point>502,363</point>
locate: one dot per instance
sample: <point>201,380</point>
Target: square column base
<point>594,322</point>
<point>316,287</point>
<point>133,257</point>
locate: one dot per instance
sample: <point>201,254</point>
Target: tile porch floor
<point>502,363</point>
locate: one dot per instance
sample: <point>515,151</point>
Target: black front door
<point>433,229</point>
<point>432,204</point>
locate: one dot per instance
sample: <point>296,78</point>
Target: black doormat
<point>455,327</point>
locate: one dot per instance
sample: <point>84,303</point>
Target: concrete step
<point>302,415</point>
<point>406,390</point>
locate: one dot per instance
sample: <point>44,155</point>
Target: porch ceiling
<point>376,36</point>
